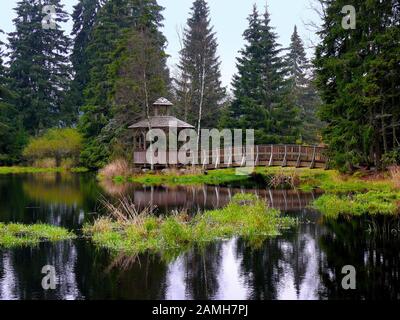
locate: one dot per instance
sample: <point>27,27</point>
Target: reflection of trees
<point>101,276</point>
<point>21,277</point>
<point>375,255</point>
<point>59,199</point>
<point>284,267</point>
<point>201,271</point>
<point>13,200</point>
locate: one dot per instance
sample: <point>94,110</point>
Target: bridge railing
<point>260,155</point>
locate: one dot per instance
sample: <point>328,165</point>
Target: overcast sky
<point>229,18</point>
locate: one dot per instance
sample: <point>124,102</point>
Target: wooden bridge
<point>231,157</point>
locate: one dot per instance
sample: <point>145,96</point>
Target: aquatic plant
<point>246,216</point>
<point>20,235</point>
<point>370,203</point>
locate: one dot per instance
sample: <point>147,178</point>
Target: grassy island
<point>20,235</point>
<point>246,216</point>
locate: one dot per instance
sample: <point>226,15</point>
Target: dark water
<point>304,263</point>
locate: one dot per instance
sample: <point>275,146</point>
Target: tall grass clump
<point>284,179</point>
<point>131,232</point>
<point>395,175</point>
<point>117,168</point>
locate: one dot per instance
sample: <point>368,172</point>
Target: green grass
<point>245,216</point>
<point>212,177</point>
<point>330,181</point>
<point>371,203</point>
<point>79,170</point>
<point>19,235</point>
<point>20,170</point>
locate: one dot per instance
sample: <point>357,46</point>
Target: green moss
<point>372,203</point>
<point>246,216</point>
<point>19,235</point>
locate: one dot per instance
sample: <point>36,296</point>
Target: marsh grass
<point>284,179</point>
<point>370,203</point>
<point>330,181</point>
<point>15,170</point>
<point>246,216</point>
<point>116,169</point>
<point>212,177</point>
<point>395,175</point>
<point>19,235</point>
<point>23,170</point>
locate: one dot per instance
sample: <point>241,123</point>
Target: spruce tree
<point>199,91</point>
<point>357,77</point>
<point>84,18</point>
<point>260,90</point>
<point>12,136</point>
<point>39,68</point>
<point>301,88</point>
<point>118,21</point>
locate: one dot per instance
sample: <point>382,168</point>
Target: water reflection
<point>199,198</point>
<point>304,263</point>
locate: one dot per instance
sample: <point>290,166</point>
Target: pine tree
<point>118,21</point>
<point>39,69</point>
<point>84,17</point>
<point>301,88</point>
<point>199,91</point>
<point>358,78</point>
<point>12,136</point>
<point>261,92</point>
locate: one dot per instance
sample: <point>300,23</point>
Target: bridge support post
<point>217,160</point>
<point>271,159</point>
<point>312,165</point>
<point>243,157</point>
<point>284,162</point>
<point>256,162</point>
<point>204,159</point>
<point>298,163</point>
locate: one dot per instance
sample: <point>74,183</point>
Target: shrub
<point>58,144</point>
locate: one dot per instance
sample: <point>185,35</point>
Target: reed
<point>395,175</point>
<point>117,168</point>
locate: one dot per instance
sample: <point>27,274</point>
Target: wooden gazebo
<point>160,119</point>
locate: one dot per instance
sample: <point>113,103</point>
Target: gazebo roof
<point>160,122</point>
<point>162,102</point>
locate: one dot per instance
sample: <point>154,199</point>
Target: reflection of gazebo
<point>161,119</point>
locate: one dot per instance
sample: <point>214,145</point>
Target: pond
<point>303,263</point>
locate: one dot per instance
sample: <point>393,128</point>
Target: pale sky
<point>229,18</point>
